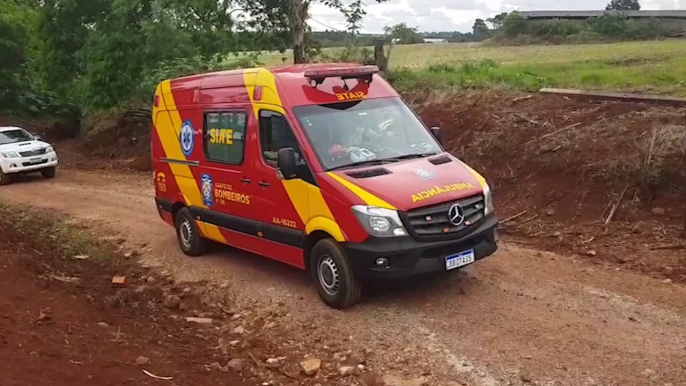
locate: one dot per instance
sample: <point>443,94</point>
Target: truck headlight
<point>379,222</point>
<point>10,154</point>
<point>488,200</point>
<point>49,149</point>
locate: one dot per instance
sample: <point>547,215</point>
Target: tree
<point>402,34</point>
<point>497,20</point>
<point>480,29</point>
<point>13,39</point>
<point>514,24</point>
<point>354,15</point>
<point>623,5</point>
<point>290,16</point>
<point>97,53</point>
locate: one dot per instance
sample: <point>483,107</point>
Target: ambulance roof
<point>289,81</point>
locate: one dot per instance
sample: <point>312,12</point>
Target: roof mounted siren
<point>363,73</point>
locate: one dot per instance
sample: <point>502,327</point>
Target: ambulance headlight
<point>379,222</point>
<point>488,200</point>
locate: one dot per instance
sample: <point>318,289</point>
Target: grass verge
<point>656,75</point>
<point>51,233</point>
<point>657,66</point>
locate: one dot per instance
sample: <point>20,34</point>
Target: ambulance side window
<point>225,136</point>
<point>275,134</point>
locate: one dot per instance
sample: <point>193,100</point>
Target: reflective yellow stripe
<point>367,197</point>
<point>321,218</point>
<point>167,123</point>
<point>212,232</point>
<point>479,177</point>
<point>306,198</point>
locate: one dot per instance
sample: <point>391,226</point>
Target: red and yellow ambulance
<point>322,167</point>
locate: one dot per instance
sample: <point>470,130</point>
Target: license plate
<point>35,160</point>
<point>459,259</point>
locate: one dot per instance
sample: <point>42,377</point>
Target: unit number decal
<point>284,222</point>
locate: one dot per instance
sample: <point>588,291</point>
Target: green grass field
<point>648,66</point>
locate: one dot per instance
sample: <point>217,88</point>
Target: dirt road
<point>519,317</point>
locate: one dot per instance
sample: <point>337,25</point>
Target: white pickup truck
<point>22,152</point>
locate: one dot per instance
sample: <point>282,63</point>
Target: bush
<point>514,24</point>
<point>643,31</point>
<point>555,28</point>
<point>483,66</point>
<point>349,54</point>
<point>441,68</point>
<point>609,27</point>
<point>615,26</point>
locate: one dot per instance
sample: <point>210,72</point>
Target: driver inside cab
<point>369,135</point>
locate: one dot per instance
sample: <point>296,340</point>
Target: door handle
<point>264,184</point>
<point>245,180</point>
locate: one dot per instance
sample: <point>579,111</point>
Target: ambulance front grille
<point>432,223</point>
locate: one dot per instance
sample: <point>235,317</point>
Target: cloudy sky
<point>456,15</point>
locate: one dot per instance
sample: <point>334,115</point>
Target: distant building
<point>431,40</point>
<point>670,19</point>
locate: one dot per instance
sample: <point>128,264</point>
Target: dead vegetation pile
<point>606,180</point>
<point>518,137</point>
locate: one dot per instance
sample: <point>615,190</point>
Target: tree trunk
<point>298,17</point>
<point>380,57</point>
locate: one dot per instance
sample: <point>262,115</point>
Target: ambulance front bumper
<point>406,257</point>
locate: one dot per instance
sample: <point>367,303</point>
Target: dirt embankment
<point>64,322</point>
<point>559,165</point>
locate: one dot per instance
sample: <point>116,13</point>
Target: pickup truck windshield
<point>371,131</point>
<point>12,136</point>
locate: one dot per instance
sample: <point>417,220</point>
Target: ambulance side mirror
<point>436,131</point>
<point>286,163</point>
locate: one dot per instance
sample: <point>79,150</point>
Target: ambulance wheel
<point>187,233</point>
<point>48,172</point>
<point>333,275</point>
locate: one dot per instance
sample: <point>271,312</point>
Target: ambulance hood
<point>413,183</point>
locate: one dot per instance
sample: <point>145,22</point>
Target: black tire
<point>48,172</point>
<point>190,241</point>
<point>5,179</point>
<point>329,265</point>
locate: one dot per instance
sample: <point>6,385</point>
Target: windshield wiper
<point>410,156</point>
<point>363,163</point>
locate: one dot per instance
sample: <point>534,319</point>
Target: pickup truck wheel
<point>187,233</point>
<point>5,179</point>
<point>48,172</point>
<point>333,275</point>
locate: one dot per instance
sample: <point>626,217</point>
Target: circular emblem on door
<point>187,138</point>
<point>456,214</point>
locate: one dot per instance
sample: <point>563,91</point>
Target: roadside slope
<point>518,316</point>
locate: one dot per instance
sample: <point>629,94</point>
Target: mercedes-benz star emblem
<point>455,214</point>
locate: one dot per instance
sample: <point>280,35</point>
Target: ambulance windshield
<point>366,132</point>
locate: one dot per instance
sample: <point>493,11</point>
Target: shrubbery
<point>609,27</point>
<point>555,28</point>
